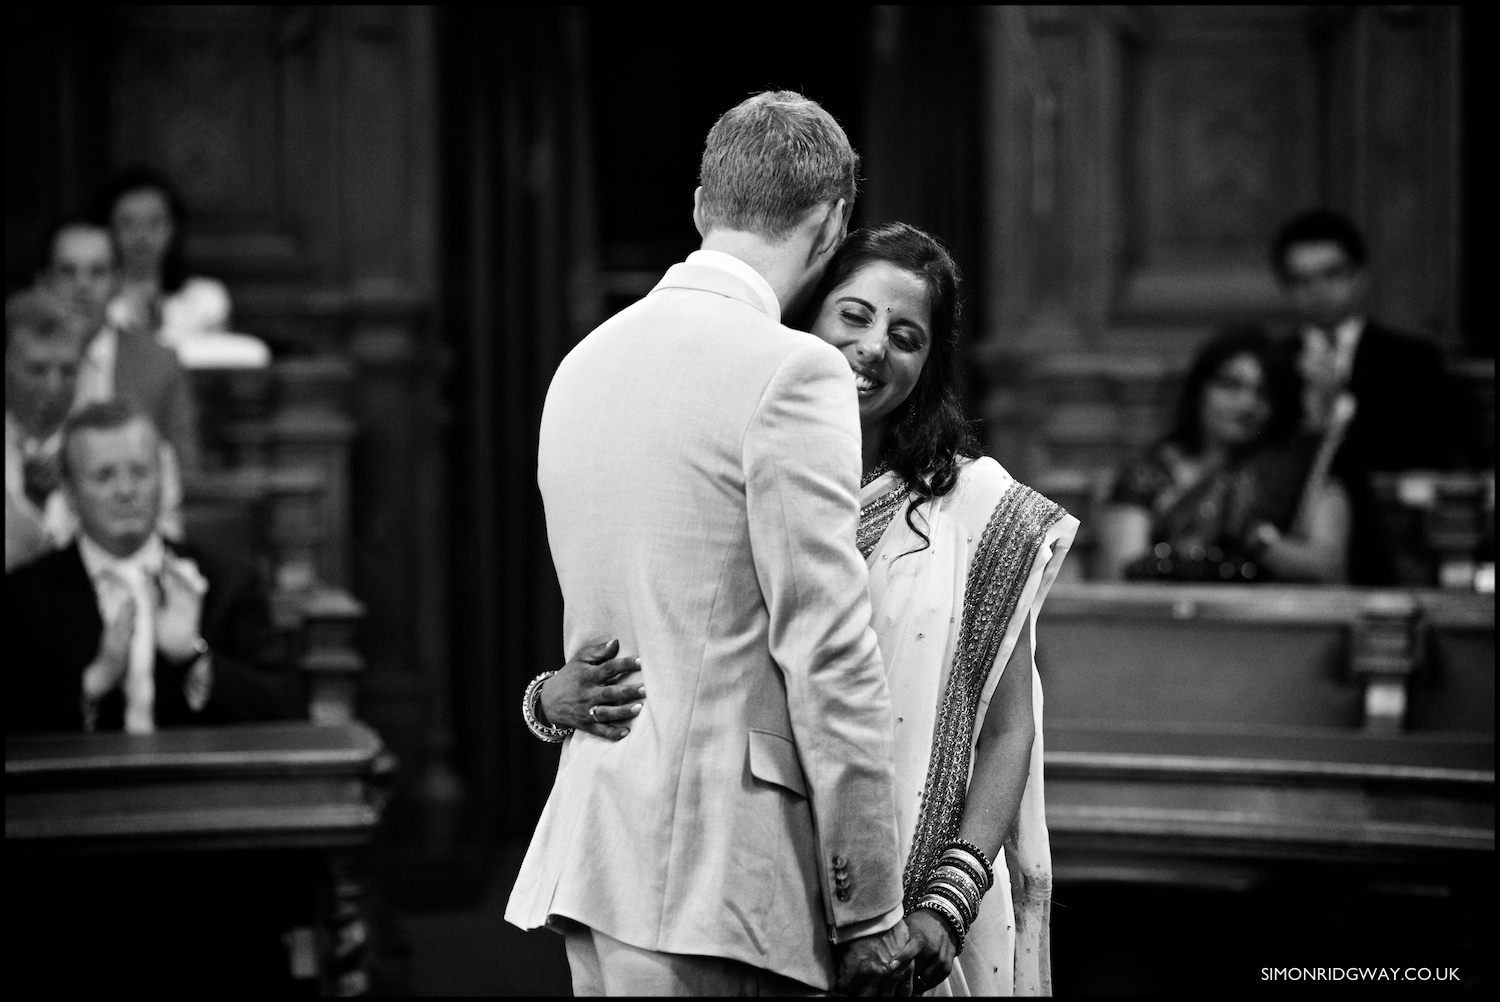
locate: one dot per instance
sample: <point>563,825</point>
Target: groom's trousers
<point>602,965</point>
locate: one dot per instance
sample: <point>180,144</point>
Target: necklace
<point>879,471</point>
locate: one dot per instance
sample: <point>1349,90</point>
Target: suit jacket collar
<point>724,275</point>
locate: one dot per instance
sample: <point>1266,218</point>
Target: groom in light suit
<point>700,464</point>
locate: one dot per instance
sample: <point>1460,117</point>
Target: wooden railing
<point>264,789</point>
<point>1189,725</point>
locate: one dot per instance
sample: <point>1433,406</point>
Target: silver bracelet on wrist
<point>529,704</point>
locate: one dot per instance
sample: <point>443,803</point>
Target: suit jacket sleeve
<point>1425,441</point>
<point>801,456</point>
<point>51,634</point>
<point>177,416</point>
<point>253,678</point>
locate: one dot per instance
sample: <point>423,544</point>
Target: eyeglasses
<point>1340,272</point>
<point>1233,384</point>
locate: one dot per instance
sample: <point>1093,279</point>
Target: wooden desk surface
<point>1306,605</point>
<point>1135,793</point>
<point>281,785</point>
<point>1259,655</point>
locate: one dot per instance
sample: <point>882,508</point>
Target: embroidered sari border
<point>996,578</point>
<point>876,516</point>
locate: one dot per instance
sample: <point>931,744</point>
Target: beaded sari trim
<point>997,576</point>
<point>875,516</point>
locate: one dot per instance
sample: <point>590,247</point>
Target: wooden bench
<point>1269,655</point>
<point>272,517</point>
<point>293,415</point>
<point>285,789</point>
<point>1209,735</point>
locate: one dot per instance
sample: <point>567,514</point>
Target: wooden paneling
<point>197,93</point>
<point>1221,116</point>
<point>1137,164</point>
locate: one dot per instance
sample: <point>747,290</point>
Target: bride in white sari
<point>961,556</point>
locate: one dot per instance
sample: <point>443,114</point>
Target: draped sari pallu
<point>949,614</point>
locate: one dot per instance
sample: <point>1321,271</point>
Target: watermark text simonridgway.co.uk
<point>1359,974</point>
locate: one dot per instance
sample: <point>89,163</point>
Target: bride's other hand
<point>930,949</point>
<point>587,694</point>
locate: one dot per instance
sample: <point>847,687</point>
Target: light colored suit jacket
<point>699,464</point>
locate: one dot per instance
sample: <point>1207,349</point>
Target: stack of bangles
<point>962,876</point>
<point>529,707</point>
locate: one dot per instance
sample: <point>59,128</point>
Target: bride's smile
<point>880,319</point>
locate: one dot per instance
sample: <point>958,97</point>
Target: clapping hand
<point>113,659</point>
<point>588,693</point>
<point>180,609</point>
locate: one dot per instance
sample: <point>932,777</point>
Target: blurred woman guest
<point>960,556</point>
<point>1232,492</point>
<point>157,295</point>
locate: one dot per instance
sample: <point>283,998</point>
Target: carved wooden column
<point>345,927</point>
<point>1384,654</point>
<point>311,429</point>
<point>331,664</point>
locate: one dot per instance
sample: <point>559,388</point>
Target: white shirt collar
<point>96,559</point>
<point>96,376</point>
<point>743,272</point>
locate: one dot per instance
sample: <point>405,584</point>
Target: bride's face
<point>880,320</point>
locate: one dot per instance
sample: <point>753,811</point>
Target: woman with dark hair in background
<point>1231,493</point>
<point>961,556</point>
<point>146,216</point>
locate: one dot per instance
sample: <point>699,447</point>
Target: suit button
<point>839,862</point>
<point>842,894</point>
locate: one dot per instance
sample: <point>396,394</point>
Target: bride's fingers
<point>609,670</point>
<point>598,653</point>
<point>610,714</point>
<point>630,692</point>
<point>606,732</point>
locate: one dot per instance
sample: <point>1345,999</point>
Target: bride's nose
<point>872,345</point>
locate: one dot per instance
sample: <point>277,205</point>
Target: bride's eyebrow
<point>856,299</point>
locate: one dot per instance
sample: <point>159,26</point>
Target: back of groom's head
<point>770,159</point>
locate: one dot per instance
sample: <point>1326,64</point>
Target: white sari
<point>995,548</point>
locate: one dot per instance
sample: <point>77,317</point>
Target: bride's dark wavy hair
<point>928,434</point>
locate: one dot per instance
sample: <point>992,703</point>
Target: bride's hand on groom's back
<point>590,692</point>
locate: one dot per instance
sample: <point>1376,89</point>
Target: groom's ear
<point>698,219</point>
<point>832,230</point>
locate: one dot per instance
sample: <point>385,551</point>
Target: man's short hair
<point>770,159</point>
<point>1318,226</point>
<point>47,249</point>
<point>46,315</point>
<point>102,415</point>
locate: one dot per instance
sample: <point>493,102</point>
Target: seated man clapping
<point>123,629</point>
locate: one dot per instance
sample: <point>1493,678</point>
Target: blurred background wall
<point>448,198</point>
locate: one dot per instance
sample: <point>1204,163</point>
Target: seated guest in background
<point>1232,493</point>
<point>1396,379</point>
<point>126,630</point>
<point>1391,384</point>
<point>44,344</point>
<point>81,264</point>
<point>157,296</point>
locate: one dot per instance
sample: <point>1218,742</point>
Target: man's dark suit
<point>52,631</point>
<point>1399,387</point>
<point>149,377</point>
<point>1398,383</point>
